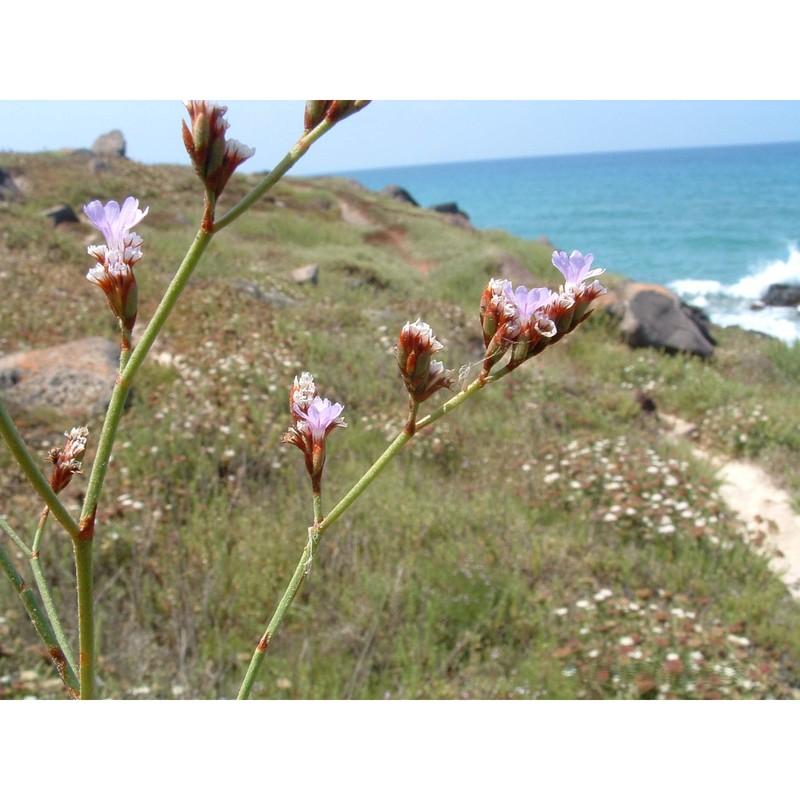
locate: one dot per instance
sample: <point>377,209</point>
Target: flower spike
<point>421,375</point>
<point>313,420</point>
<point>67,460</point>
<point>113,272</point>
<point>526,321</point>
<point>214,158</point>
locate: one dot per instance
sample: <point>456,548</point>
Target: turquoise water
<point>717,225</point>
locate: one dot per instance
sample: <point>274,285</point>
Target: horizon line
<point>729,145</point>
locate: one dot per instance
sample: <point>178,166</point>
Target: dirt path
<point>759,503</point>
<point>396,237</point>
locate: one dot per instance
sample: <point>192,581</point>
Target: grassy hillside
<point>545,540</point>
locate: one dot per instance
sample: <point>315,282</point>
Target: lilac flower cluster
<point>113,272</point>
<point>526,321</point>
<point>313,419</point>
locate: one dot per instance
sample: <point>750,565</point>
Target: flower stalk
<point>37,616</point>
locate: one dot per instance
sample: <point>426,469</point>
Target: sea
<point>717,225</point>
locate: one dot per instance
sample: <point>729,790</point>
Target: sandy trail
<point>759,503</point>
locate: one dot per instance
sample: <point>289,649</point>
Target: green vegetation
<point>545,540</point>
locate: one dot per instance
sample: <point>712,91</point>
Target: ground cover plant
<point>545,540</point>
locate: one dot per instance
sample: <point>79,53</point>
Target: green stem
<point>12,534</point>
<point>130,364</point>
<point>412,426</point>
<point>130,361</point>
<point>455,401</point>
<point>44,591</point>
<point>13,440</point>
<point>85,580</point>
<point>269,180</point>
<point>317,499</point>
<point>288,596</point>
<point>40,621</point>
<point>315,534</point>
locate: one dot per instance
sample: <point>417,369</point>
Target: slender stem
<point>44,591</point>
<point>269,180</point>
<point>288,596</point>
<point>130,361</point>
<point>317,499</point>
<point>85,580</point>
<point>130,365</point>
<point>455,401</point>
<point>40,622</point>
<point>14,536</point>
<point>315,533</point>
<point>12,437</point>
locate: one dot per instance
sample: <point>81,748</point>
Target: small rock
<point>110,145</point>
<point>8,189</point>
<point>454,215</point>
<point>449,208</point>
<point>646,402</point>
<point>306,274</point>
<point>256,291</point>
<point>398,193</point>
<point>59,214</point>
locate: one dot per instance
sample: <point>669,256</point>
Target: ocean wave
<point>736,303</point>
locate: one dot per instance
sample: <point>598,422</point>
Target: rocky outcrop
<point>652,316</point>
<point>109,145</point>
<point>8,189</point>
<point>74,379</point>
<point>782,294</point>
<point>59,214</point>
<point>398,193</point>
<point>454,215</point>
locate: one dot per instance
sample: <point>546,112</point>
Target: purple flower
<point>576,268</point>
<point>528,301</point>
<point>115,222</point>
<point>321,416</point>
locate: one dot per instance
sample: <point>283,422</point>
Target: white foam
<point>733,304</point>
<point>754,286</point>
<point>689,286</point>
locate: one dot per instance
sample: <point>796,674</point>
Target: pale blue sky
<point>399,132</point>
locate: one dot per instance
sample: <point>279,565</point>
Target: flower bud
<point>67,460</point>
<point>332,110</point>
<point>422,376</point>
<point>213,157</point>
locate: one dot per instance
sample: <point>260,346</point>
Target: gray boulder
<point>74,379</point>
<point>109,145</point>
<point>652,316</point>
<point>782,294</point>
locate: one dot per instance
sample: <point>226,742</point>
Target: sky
<point>450,82</point>
<point>401,132</point>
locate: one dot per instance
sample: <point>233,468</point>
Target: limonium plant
<point>517,324</point>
